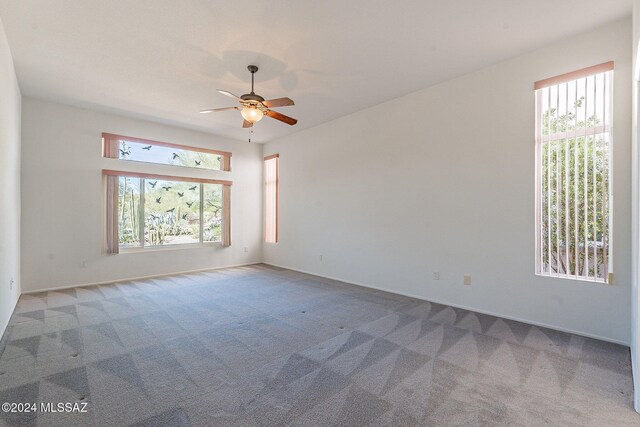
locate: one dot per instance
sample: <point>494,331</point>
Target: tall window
<point>573,146</point>
<point>271,198</point>
<point>151,210</point>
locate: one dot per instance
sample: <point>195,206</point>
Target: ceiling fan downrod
<point>253,69</point>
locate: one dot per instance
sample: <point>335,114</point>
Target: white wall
<point>635,219</point>
<point>9,184</point>
<point>63,203</point>
<point>443,180</point>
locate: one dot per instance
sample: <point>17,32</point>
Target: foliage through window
<point>140,152</point>
<point>573,144</point>
<point>155,212</point>
<point>150,209</point>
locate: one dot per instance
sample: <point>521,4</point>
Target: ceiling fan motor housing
<point>252,97</point>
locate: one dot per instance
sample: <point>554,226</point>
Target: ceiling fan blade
<point>278,102</point>
<point>230,95</point>
<point>247,124</point>
<point>213,110</point>
<point>286,119</point>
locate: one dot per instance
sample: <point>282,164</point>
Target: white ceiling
<point>164,59</point>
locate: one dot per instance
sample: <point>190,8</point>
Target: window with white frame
<point>146,210</point>
<point>573,174</point>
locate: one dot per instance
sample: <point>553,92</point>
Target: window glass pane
<point>129,211</point>
<point>172,212</point>
<point>573,183</point>
<point>141,152</point>
<point>212,213</point>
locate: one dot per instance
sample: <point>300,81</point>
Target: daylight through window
<point>164,153</point>
<point>145,210</point>
<point>573,147</point>
<point>154,212</point>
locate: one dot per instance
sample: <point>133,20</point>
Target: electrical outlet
<point>320,258</point>
<point>436,275</point>
<point>467,279</point>
<point>11,284</point>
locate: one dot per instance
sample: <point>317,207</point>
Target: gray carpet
<point>264,346</point>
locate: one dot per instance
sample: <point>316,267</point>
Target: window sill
<point>573,278</point>
<point>160,248</point>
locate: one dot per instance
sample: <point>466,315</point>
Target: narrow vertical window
<point>271,198</point>
<point>573,167</point>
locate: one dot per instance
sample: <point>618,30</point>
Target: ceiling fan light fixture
<point>254,107</point>
<point>252,114</point>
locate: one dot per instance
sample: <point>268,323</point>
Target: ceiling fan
<point>253,107</point>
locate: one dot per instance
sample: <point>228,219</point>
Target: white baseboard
<point>129,279</point>
<point>517,319</point>
<point>531,322</point>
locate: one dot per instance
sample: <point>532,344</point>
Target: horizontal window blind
<point>573,147</point>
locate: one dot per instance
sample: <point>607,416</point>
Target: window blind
<point>573,147</point>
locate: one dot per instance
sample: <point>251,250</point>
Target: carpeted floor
<point>264,346</point>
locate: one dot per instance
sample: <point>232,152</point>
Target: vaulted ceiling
<point>164,59</point>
